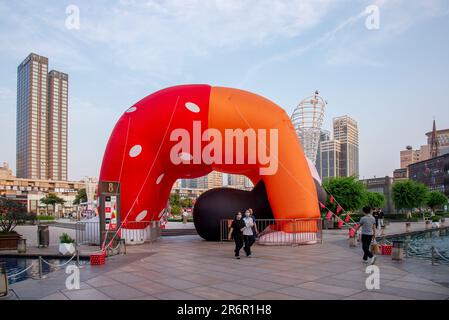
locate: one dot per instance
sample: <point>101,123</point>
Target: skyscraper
<point>42,103</point>
<point>57,124</point>
<point>325,135</point>
<point>346,132</point>
<point>236,181</point>
<point>330,158</point>
<point>32,118</point>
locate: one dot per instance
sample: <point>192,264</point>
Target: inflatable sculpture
<point>190,130</point>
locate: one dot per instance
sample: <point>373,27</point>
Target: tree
<point>435,199</point>
<point>349,192</point>
<point>52,199</point>
<point>81,196</point>
<point>409,195</point>
<point>175,200</point>
<point>375,200</point>
<point>186,203</point>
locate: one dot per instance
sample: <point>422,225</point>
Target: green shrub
<point>65,238</point>
<point>45,218</point>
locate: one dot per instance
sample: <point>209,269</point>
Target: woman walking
<point>248,233</point>
<point>236,232</point>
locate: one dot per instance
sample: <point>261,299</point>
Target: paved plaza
<point>187,267</point>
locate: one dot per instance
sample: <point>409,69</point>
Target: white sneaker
<point>364,261</point>
<point>372,260</point>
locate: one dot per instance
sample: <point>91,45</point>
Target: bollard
<point>408,227</point>
<point>21,246</point>
<point>122,248</point>
<point>4,290</point>
<point>77,256</point>
<point>428,224</point>
<point>40,267</point>
<point>433,256</point>
<point>397,252</point>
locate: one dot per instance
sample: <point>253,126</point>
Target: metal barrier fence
<point>88,232</point>
<point>281,231</point>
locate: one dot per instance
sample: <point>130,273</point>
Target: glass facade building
<point>434,173</point>
<point>41,134</point>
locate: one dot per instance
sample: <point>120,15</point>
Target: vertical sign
<point>109,210</point>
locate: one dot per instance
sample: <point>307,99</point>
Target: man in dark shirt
<point>236,232</point>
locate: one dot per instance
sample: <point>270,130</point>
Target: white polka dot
<point>159,179</point>
<point>192,107</point>
<point>185,156</point>
<point>161,213</point>
<point>132,109</point>
<point>141,215</point>
<point>135,151</point>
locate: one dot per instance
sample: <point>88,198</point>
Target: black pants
<point>366,242</point>
<point>249,241</point>
<point>238,244</point>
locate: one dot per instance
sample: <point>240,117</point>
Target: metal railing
<point>281,231</point>
<point>88,232</point>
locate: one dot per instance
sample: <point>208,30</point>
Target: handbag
<point>375,249</point>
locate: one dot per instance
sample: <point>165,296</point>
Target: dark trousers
<point>366,242</point>
<point>249,241</point>
<point>238,244</point>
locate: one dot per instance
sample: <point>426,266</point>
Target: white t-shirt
<point>249,223</point>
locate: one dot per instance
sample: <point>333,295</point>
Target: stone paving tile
<point>280,279</point>
<point>236,288</point>
<point>56,296</point>
<point>373,295</point>
<point>121,292</point>
<point>411,294</point>
<point>420,287</point>
<point>126,277</point>
<point>307,294</point>
<point>177,295</point>
<point>222,275</point>
<point>332,281</point>
<point>213,293</point>
<point>86,294</point>
<point>304,276</point>
<point>201,279</point>
<point>150,287</point>
<point>331,289</point>
<point>101,281</point>
<point>176,283</point>
<point>261,284</point>
<point>271,295</point>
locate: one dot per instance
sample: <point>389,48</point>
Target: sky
<point>392,79</point>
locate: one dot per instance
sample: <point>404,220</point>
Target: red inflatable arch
<point>143,147</point>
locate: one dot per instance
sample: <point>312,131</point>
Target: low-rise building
<point>383,186</point>
<point>30,191</point>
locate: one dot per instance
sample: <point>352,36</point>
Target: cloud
<point>350,43</point>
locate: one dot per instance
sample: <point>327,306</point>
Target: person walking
<point>368,225</point>
<point>236,233</point>
<point>376,217</point>
<point>381,218</point>
<point>255,231</point>
<point>248,233</point>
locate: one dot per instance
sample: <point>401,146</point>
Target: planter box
<point>66,249</point>
<point>9,242</point>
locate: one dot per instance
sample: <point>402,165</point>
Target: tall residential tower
<point>42,101</point>
<point>347,133</point>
